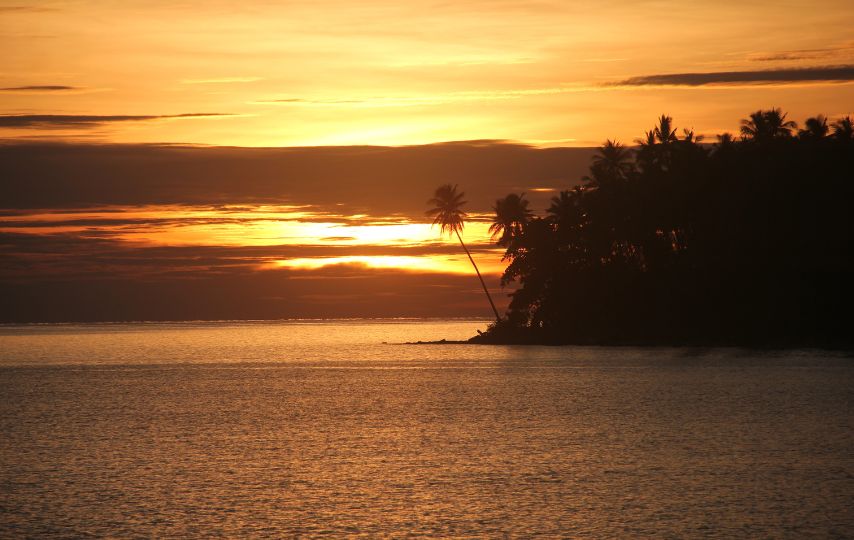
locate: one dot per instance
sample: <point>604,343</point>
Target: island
<point>677,241</point>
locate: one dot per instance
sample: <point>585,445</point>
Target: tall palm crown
<point>447,209</point>
<point>665,132</point>
<point>511,214</point>
<point>654,150</point>
<point>767,125</point>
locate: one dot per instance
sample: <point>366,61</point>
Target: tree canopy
<point>744,241</point>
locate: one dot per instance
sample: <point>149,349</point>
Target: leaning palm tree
<point>448,214</point>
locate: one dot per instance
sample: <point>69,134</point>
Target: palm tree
<point>611,163</point>
<point>655,148</point>
<point>511,214</point>
<point>665,132</point>
<point>565,205</point>
<point>690,137</point>
<point>646,154</point>
<point>447,209</point>
<point>647,140</point>
<point>567,212</point>
<point>767,125</point>
<point>814,128</point>
<point>725,139</point>
<point>843,130</point>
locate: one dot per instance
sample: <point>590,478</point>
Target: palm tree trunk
<point>488,297</point>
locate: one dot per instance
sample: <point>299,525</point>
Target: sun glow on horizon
<point>315,238</point>
<point>243,225</point>
<point>488,263</point>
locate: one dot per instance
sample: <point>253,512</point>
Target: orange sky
<point>390,72</point>
<point>317,232</point>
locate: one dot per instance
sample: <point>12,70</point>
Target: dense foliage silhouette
<point>744,241</point>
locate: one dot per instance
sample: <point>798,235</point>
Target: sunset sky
<point>287,232</point>
<point>258,73</point>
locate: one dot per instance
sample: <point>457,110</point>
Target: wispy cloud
<point>772,76</point>
<point>25,9</point>
<point>40,88</point>
<point>601,60</point>
<point>464,62</point>
<point>305,101</point>
<point>803,54</point>
<point>410,101</point>
<point>222,80</point>
<point>85,121</point>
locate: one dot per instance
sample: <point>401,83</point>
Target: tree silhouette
<point>511,214</point>
<point>664,132</point>
<point>725,140</point>
<point>448,214</point>
<point>814,128</point>
<point>744,242</point>
<point>611,164</point>
<point>566,211</point>
<point>767,125</point>
<point>646,155</point>
<point>842,129</point>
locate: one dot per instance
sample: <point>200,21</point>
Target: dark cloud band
<point>42,88</point>
<point>780,76</point>
<point>72,120</point>
<point>369,179</point>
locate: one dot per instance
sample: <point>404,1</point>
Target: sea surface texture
<point>338,429</point>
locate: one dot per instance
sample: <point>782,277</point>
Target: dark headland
<point>744,241</point>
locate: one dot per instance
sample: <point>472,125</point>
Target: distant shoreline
<point>484,340</point>
<point>246,321</point>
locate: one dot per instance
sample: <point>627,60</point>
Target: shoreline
<point>845,348</point>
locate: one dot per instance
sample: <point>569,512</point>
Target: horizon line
<point>532,143</point>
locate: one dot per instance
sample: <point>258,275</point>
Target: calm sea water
<point>335,428</point>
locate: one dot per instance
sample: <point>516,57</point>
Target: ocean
<point>339,429</point>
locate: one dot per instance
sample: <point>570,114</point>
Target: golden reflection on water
<point>323,430</point>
